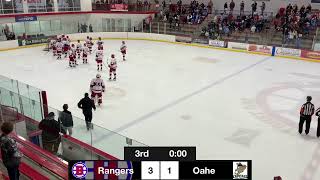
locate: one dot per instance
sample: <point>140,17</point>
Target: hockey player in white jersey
<point>79,49</point>
<point>112,67</point>
<point>89,43</point>
<point>59,46</point>
<point>85,52</point>
<point>97,87</point>
<point>123,49</point>
<point>73,51</point>
<point>100,44</point>
<point>99,59</point>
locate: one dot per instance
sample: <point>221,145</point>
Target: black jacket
<point>65,117</point>
<point>50,129</point>
<point>86,104</point>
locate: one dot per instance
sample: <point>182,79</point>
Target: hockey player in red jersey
<point>112,68</point>
<point>99,59</point>
<point>72,60</point>
<point>97,87</point>
<point>100,44</point>
<point>85,52</point>
<point>79,49</point>
<point>123,49</point>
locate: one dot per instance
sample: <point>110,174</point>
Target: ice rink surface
<point>229,105</point>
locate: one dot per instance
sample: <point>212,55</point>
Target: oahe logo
<point>240,170</point>
<point>79,170</point>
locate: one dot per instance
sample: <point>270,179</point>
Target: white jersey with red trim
<point>73,50</point>
<point>59,46</point>
<point>89,43</point>
<point>85,50</point>
<point>99,42</point>
<point>123,47</point>
<point>79,46</point>
<point>97,85</point>
<point>99,55</point>
<point>113,63</point>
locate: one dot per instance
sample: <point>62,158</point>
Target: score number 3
<point>150,170</point>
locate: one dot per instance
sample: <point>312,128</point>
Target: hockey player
<point>66,46</point>
<point>79,48</point>
<point>72,59</point>
<point>100,44</point>
<point>53,46</point>
<point>112,68</point>
<point>99,59</point>
<point>85,52</point>
<point>123,49</point>
<point>90,44</point>
<point>97,87</point>
<point>59,47</point>
<point>73,50</point>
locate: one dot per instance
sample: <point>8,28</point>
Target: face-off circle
<point>262,100</point>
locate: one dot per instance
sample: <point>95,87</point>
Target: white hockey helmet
<point>98,75</point>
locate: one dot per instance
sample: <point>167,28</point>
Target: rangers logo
<point>240,170</point>
<point>79,170</point>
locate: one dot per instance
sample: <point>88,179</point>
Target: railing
<point>24,99</point>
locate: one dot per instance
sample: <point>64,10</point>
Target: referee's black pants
<point>307,119</point>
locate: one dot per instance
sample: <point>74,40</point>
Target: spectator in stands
<point>298,40</point>
<point>210,6</point>
<point>164,5</point>
<point>87,104</point>
<point>263,7</point>
<point>11,156</point>
<point>241,8</point>
<point>232,5</point>
<point>309,8</point>
<point>65,118</point>
<point>51,133</point>
<point>254,7</point>
<point>90,28</point>
<point>225,7</point>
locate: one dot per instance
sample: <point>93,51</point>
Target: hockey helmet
<point>78,41</point>
<point>123,42</point>
<point>72,45</point>
<point>98,76</point>
<point>99,38</point>
<point>85,44</point>
<point>112,55</point>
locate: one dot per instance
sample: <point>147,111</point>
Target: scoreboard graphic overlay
<point>156,163</point>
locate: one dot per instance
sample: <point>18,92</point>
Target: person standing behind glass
<point>65,118</point>
<point>11,156</point>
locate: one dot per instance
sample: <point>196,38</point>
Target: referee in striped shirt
<point>306,112</point>
<point>318,128</point>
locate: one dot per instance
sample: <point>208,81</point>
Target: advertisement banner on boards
<point>310,54</point>
<point>119,7</point>
<point>260,48</point>
<point>287,52</point>
<point>25,18</point>
<point>217,43</point>
<point>239,46</point>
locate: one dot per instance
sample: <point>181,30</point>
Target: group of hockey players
<point>61,47</point>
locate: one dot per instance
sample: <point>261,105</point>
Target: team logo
<point>240,170</point>
<point>79,170</point>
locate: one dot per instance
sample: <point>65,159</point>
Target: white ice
<point>229,105</point>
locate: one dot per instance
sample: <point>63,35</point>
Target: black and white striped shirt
<point>318,112</point>
<point>307,109</point>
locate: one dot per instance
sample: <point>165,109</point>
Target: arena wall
<point>229,46</point>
